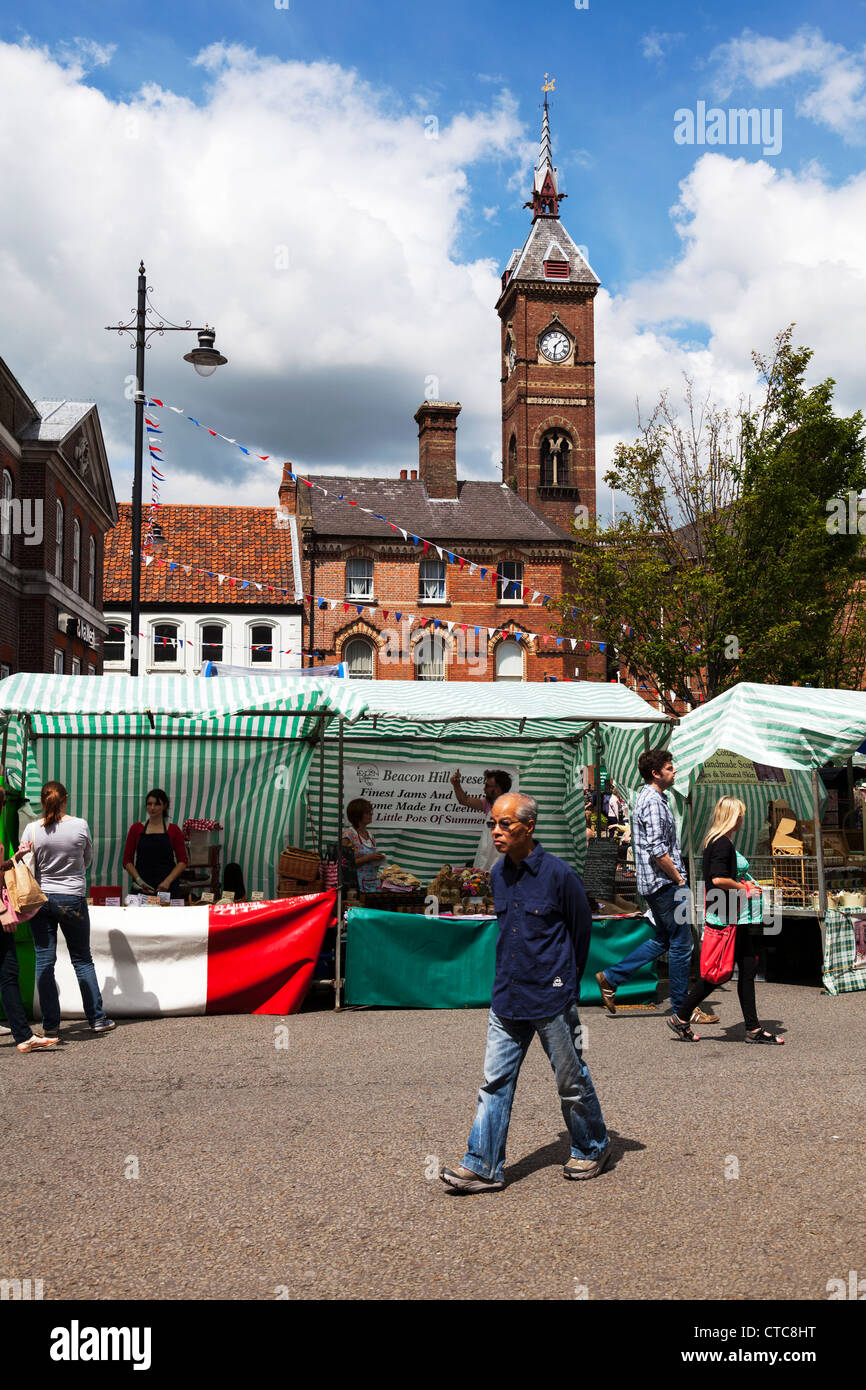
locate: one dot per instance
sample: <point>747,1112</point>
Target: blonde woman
<point>724,892</point>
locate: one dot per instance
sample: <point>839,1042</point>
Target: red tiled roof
<point>240,542</point>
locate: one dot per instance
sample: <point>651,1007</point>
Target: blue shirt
<point>653,834</point>
<point>544,929</point>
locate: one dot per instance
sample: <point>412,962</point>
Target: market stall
<point>767,744</point>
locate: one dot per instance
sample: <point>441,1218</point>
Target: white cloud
<point>300,210</point>
<point>834,77</point>
<point>760,248</point>
<point>655,45</point>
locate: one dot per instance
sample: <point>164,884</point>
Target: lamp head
<point>205,357</point>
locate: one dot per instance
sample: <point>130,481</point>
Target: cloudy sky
<point>337,186</point>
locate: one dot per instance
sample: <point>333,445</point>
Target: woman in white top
<point>62,851</point>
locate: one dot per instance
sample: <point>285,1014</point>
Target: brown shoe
<point>698,1016</point>
<point>586,1167</point>
<point>607,992</point>
<point>34,1044</point>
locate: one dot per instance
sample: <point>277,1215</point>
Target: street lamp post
<point>205,359</point>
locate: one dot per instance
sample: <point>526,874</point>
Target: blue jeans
<point>508,1042</point>
<point>69,913</point>
<point>669,934</point>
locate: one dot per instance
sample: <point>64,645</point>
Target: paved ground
<point>307,1168</point>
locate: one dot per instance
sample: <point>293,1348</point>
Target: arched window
<point>262,644</point>
<point>360,660</point>
<point>429,658</point>
<point>114,643</point>
<point>76,555</point>
<point>6,516</point>
<point>509,662</point>
<point>58,541</point>
<point>431,579</point>
<point>165,648</point>
<point>359,580</point>
<point>512,456</point>
<point>555,459</point>
<point>91,570</point>
<point>212,637</point>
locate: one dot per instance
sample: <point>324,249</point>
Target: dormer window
<point>556,270</point>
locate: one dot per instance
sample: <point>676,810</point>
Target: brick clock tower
<point>548,366</point>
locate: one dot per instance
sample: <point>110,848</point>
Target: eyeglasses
<point>503,824</point>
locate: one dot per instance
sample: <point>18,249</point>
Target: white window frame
<point>502,649</point>
<point>160,663</point>
<point>76,666</point>
<point>370,646</point>
<point>91,574</point>
<point>274,643</point>
<point>367,595</point>
<point>58,661</point>
<point>502,584</point>
<point>6,495</point>
<point>426,582</point>
<point>429,641</point>
<point>200,642</point>
<point>59,522</point>
<point>124,660</point>
<point>76,555</point>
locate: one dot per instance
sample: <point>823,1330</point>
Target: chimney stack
<point>437,446</point>
<point>414,474</point>
<point>403,475</point>
<point>288,492</point>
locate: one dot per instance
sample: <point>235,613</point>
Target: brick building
<point>514,537</point>
<point>218,584</point>
<point>56,504</point>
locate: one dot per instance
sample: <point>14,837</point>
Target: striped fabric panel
<point>550,773</point>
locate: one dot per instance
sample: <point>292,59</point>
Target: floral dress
<point>368,874</point>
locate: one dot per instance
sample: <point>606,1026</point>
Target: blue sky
<point>621,73</point>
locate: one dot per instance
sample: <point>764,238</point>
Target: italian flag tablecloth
<point>243,958</point>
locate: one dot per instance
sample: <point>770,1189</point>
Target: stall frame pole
<point>322,790</point>
<point>693,877</point>
<point>597,779</point>
<point>819,862</point>
<point>338,954</point>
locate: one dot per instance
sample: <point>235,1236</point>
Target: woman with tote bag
<point>62,851</point>
<point>725,893</point>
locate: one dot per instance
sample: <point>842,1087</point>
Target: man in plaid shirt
<point>661,879</point>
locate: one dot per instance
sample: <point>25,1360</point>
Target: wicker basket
<point>302,864</point>
<point>289,887</point>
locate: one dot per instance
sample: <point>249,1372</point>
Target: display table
<point>840,974</point>
<point>408,961</point>
<point>242,958</point>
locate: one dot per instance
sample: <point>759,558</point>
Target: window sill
<point>364,602</point>
<point>511,603</point>
<point>433,602</point>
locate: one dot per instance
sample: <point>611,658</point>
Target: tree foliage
<point>725,568</point>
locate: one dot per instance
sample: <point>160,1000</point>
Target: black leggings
<point>746,958</point>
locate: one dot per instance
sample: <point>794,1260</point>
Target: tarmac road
<point>308,1170</point>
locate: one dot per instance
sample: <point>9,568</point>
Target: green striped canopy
<point>238,750</point>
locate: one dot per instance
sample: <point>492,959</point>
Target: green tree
<point>728,567</point>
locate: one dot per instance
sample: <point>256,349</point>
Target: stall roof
<point>497,709</point>
<point>119,703</point>
<point>782,725</point>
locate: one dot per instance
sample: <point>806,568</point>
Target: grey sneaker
<point>464,1180</point>
<point>586,1167</point>
<point>104,1025</point>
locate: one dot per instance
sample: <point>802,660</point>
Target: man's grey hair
<point>527,808</point>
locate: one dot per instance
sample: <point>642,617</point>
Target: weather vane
<point>549,83</point>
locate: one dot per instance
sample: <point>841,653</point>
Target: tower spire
<point>546,196</point>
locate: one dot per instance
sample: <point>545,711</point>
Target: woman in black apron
<point>155,853</point>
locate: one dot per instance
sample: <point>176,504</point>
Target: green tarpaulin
<point>407,961</point>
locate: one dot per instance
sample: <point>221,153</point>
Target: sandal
<point>764,1037</point>
<point>682,1030</point>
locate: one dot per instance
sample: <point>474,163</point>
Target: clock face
<point>555,345</point>
<point>510,356</point>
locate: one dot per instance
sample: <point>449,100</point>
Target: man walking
<point>544,928</point>
<point>661,879</point>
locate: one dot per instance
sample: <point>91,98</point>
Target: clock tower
<point>548,366</point>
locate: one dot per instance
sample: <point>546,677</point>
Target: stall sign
<point>418,794</point>
<point>725,767</point>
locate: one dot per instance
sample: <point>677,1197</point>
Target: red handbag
<point>717,953</point>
